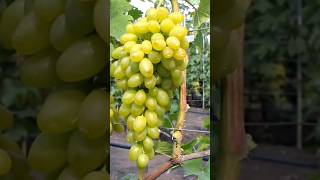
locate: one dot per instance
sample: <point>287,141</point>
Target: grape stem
<point>172,162</point>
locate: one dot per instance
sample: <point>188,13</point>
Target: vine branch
<point>167,165</point>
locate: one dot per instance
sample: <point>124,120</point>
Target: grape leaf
<point>163,147</point>
<point>118,17</point>
<point>135,13</point>
<point>202,14</point>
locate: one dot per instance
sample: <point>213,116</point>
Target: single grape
<point>142,161</point>
<point>139,124</point>
<point>135,152</point>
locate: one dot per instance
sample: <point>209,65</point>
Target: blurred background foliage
<point>273,45</point>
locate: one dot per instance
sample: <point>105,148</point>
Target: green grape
<point>148,144</point>
<point>113,67</point>
<point>140,97</point>
<point>151,103</point>
<point>129,96</point>
<point>139,124</point>
<point>48,10</point>
<point>61,37</point>
<point>83,59</point>
<point>69,174</point>
<point>122,84</point>
<point>48,152</point>
<point>59,112</point>
<point>166,84</point>
<point>119,73</point>
<point>184,43</point>
<point>177,77</point>
<point>136,55</point>
<point>124,110</point>
<point>100,18</point>
<point>181,65</point>
<point>162,13</point>
<point>146,68</point>
<point>176,17</point>
<point>135,80</point>
<point>180,54</point>
<point>141,27</point>
<point>96,175</point>
<point>31,35</point>
<point>154,26</point>
<point>153,132</point>
<point>132,69</point>
<point>130,121</point>
<point>9,21</point>
<point>40,70</point>
<point>152,14</point>
<point>8,144</point>
<point>125,62</point>
<point>167,52</point>
<point>79,16</point>
<point>160,110</point>
<point>169,64</point>
<point>154,57</point>
<point>92,116</point>
<point>159,44</point>
<point>151,154</point>
<point>128,45</point>
<point>141,135</point>
<point>128,37</point>
<point>157,36</point>
<point>142,161</point>
<point>166,25</point>
<point>130,137</point>
<point>162,71</point>
<point>146,47</point>
<point>137,110</point>
<point>6,118</point>
<point>173,42</point>
<point>5,162</point>
<point>130,28</point>
<point>118,53</point>
<point>153,92</point>
<point>85,155</point>
<point>162,98</point>
<point>150,83</point>
<point>152,118</point>
<point>135,152</point>
<point>179,32</point>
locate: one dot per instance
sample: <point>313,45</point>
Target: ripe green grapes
<point>147,67</point>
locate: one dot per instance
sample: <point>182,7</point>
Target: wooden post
<point>232,132</point>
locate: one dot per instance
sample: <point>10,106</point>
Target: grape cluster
<point>62,43</point>
<point>148,66</point>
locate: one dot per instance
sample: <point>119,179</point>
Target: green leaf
<point>163,147</point>
<point>111,48</point>
<point>118,17</point>
<point>198,41</point>
<point>192,167</point>
<point>135,13</point>
<point>202,14</point>
<point>206,123</point>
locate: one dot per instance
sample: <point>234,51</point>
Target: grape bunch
<point>63,45</point>
<point>148,67</point>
